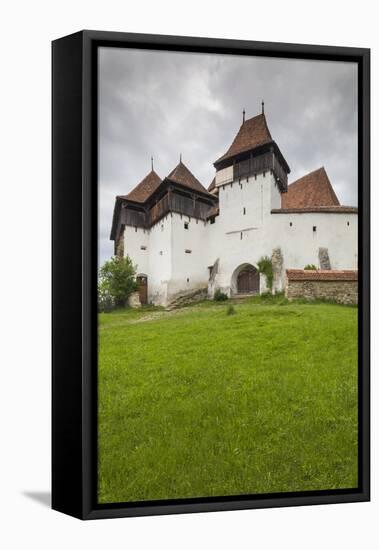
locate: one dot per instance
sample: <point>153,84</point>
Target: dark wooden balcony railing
<point>170,202</point>
<point>173,202</point>
<point>255,165</point>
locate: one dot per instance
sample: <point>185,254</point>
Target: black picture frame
<point>74,272</point>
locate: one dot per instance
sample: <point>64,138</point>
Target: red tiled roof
<point>322,275</point>
<point>252,133</point>
<point>180,174</point>
<point>144,189</point>
<point>311,190</point>
<point>320,209</point>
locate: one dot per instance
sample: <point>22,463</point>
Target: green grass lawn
<point>196,402</point>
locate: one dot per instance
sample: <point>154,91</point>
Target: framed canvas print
<point>210,274</point>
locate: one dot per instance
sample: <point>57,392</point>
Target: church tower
<point>252,151</point>
<point>252,155</point>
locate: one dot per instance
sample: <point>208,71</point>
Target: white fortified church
<point>186,239</point>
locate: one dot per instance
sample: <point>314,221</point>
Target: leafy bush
<point>117,281</point>
<point>265,267</point>
<point>311,267</point>
<point>231,310</point>
<point>220,296</point>
<point>105,302</point>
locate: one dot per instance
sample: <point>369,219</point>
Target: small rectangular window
<point>244,210</point>
<point>290,224</point>
<point>143,247</point>
<point>186,225</point>
<point>314,229</point>
<point>188,251</point>
<point>241,236</point>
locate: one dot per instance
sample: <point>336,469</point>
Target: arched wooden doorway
<point>142,288</point>
<point>248,280</point>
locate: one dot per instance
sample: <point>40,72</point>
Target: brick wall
<point>341,287</point>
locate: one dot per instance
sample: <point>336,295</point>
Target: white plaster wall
<point>257,194</point>
<point>189,270</point>
<point>160,261</point>
<point>237,238</point>
<point>155,261</point>
<point>300,244</point>
<point>134,238</point>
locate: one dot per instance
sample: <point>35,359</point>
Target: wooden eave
<point>255,151</point>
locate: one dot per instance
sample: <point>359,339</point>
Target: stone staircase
<point>187,297</point>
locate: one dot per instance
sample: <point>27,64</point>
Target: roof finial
<point>180,157</point>
<point>152,164</point>
<point>243,116</point>
<point>263,107</point>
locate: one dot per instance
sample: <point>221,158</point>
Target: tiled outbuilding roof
<point>144,189</point>
<point>181,175</point>
<point>322,275</point>
<point>311,190</point>
<point>252,133</point>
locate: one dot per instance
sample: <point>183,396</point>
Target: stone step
<point>187,298</point>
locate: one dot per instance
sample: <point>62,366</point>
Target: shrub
<point>117,280</point>
<point>265,267</point>
<point>231,310</point>
<point>311,267</point>
<point>220,296</point>
<point>105,302</point>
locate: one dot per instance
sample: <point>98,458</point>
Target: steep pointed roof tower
<point>252,151</point>
<point>183,176</point>
<point>253,133</point>
<point>142,191</point>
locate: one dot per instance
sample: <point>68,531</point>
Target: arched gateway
<point>245,280</point>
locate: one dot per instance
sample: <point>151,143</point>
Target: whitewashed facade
<point>181,253</point>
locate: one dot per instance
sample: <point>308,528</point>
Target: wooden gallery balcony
<point>252,165</point>
<point>191,205</point>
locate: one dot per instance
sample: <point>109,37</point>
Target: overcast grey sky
<point>161,104</point>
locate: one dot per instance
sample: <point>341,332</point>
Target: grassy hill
<point>195,402</point>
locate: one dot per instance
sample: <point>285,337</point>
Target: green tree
<point>117,279</point>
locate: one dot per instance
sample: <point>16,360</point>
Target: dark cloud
<point>164,104</point>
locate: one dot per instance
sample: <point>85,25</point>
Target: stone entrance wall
<point>337,286</point>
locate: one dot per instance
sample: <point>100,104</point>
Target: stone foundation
<point>134,301</point>
<point>187,297</point>
<point>341,288</point>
